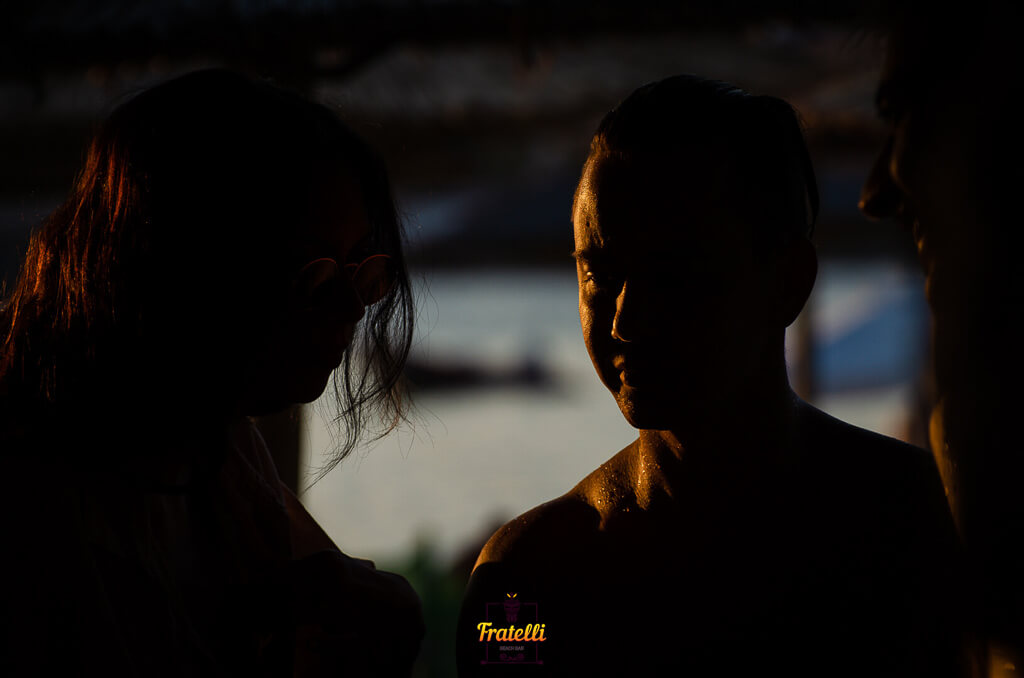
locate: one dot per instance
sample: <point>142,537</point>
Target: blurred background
<point>483,111</point>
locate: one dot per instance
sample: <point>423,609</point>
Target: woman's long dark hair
<point>140,294</point>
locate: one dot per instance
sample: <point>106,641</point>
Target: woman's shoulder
<point>248,448</point>
<point>248,476</point>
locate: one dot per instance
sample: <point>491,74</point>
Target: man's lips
<point>635,379</point>
<point>924,257</point>
<point>922,252</point>
<point>634,373</point>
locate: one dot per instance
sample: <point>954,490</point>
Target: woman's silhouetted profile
<point>226,247</point>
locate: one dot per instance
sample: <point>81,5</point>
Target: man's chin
<point>651,411</point>
<point>665,409</point>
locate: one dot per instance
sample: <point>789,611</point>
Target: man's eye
<point>601,281</point>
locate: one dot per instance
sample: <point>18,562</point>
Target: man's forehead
<point>619,208</point>
<point>923,49</point>
<point>608,240</point>
<point>904,63</point>
<point>655,169</point>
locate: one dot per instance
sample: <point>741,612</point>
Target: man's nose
<point>629,319</point>
<point>880,197</point>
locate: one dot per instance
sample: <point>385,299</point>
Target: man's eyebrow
<point>588,254</point>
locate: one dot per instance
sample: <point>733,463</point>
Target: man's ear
<point>798,268</point>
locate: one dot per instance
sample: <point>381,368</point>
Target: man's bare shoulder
<point>854,447</point>
<point>563,525</point>
<point>899,482</point>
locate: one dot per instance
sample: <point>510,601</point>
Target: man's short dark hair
<point>768,169</point>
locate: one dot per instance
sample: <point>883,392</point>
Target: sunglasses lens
<point>373,278</point>
<point>318,282</point>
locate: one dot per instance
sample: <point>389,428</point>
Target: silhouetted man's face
<point>675,305</point>
<point>950,171</point>
<point>926,176</point>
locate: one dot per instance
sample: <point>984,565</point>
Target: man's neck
<point>739,442</point>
